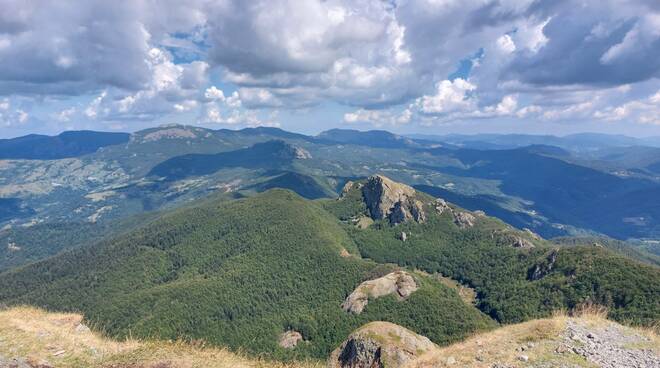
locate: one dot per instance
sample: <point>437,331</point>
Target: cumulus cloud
<point>644,111</point>
<point>392,62</point>
<point>378,117</point>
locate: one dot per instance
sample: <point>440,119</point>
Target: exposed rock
<point>14,363</point>
<point>171,133</point>
<point>399,283</point>
<point>610,346</point>
<point>344,253</point>
<point>440,206</point>
<point>463,219</point>
<point>385,198</point>
<point>12,247</point>
<point>378,345</point>
<point>512,239</point>
<point>520,242</point>
<point>81,329</point>
<point>542,269</point>
<point>290,339</point>
<point>347,188</point>
<point>403,236</point>
<point>480,213</point>
<point>302,154</point>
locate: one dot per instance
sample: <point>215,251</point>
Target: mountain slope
<point>517,277</point>
<point>237,273</point>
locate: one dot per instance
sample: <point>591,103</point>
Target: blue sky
<point>418,66</point>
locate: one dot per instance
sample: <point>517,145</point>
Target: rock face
<point>463,219</point>
<point>290,339</point>
<point>378,345</point>
<point>441,206</point>
<point>387,199</point>
<point>512,239</point>
<point>399,283</point>
<point>520,242</point>
<point>540,270</point>
<point>301,154</point>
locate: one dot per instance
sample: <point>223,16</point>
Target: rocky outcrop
<point>170,133</point>
<point>540,270</point>
<point>378,345</point>
<point>441,206</point>
<point>520,242</point>
<point>464,219</point>
<point>348,187</point>
<point>399,283</point>
<point>290,339</point>
<point>512,239</point>
<point>385,198</point>
<point>301,153</point>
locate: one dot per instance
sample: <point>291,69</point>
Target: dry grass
<point>52,338</point>
<point>500,346</point>
<point>540,339</point>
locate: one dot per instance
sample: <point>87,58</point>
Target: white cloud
<point>213,93</point>
<point>450,96</point>
<point>643,111</point>
<point>378,118</point>
<point>65,115</point>
<point>506,44</point>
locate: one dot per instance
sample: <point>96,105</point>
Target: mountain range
<point>277,274</point>
<point>551,190</point>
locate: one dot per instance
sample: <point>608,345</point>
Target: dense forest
<point>503,276</point>
<point>241,272</point>
<point>235,273</point>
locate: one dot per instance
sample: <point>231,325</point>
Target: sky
<point>408,66</point>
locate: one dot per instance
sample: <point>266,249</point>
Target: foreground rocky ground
<point>588,340</point>
<point>32,338</point>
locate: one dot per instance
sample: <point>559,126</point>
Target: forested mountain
<point>550,190</point>
<point>245,272</point>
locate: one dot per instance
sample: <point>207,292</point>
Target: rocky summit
<point>386,199</point>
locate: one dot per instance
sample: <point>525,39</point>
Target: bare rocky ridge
<point>399,283</point>
<point>379,344</point>
<point>385,198</point>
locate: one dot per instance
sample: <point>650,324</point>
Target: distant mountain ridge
<point>64,145</point>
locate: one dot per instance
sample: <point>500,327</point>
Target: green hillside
<point>242,272</point>
<point>236,273</point>
<point>508,288</point>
